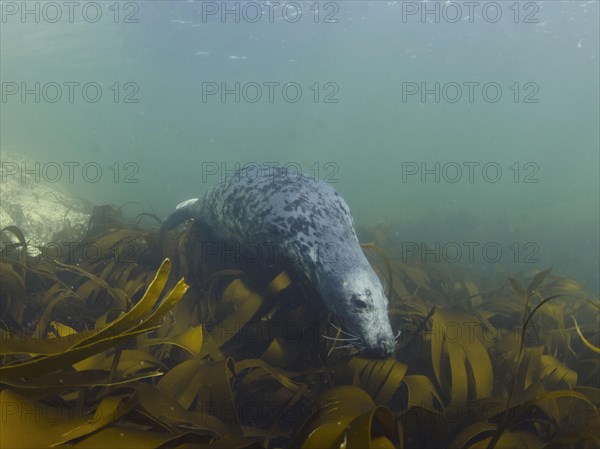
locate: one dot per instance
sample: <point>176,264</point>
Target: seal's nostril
<point>385,347</point>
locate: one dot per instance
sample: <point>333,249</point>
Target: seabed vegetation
<point>132,339</point>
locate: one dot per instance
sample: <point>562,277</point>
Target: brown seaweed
<point>95,355</point>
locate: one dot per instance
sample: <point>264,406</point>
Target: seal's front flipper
<point>184,211</point>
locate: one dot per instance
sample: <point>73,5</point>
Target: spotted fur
<point>312,225</point>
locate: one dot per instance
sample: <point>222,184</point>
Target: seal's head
<point>358,301</point>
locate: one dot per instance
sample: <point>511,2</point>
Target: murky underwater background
<point>463,135</point>
<point>502,178</point>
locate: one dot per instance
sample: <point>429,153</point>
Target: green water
<point>154,135</point>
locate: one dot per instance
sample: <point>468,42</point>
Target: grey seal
<point>307,220</point>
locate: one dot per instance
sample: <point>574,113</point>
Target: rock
<point>44,212</point>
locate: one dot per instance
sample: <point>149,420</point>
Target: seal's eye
<point>358,303</point>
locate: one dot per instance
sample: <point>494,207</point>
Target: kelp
<point>147,343</point>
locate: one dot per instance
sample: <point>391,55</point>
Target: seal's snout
<point>383,348</point>
<point>381,343</point>
<point>362,308</point>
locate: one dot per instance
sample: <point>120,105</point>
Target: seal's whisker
<point>339,339</point>
<point>342,331</point>
<point>345,346</point>
<point>397,335</point>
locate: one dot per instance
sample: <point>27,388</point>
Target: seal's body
<point>309,222</point>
